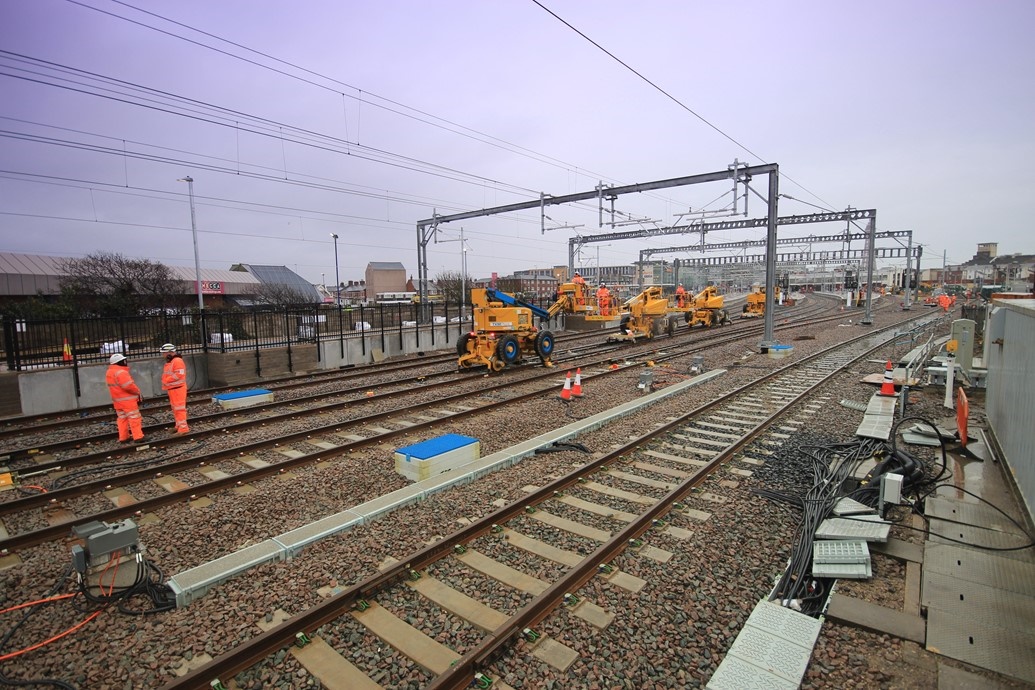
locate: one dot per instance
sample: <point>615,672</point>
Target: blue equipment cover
<point>435,446</point>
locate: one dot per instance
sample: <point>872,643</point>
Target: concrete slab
<point>502,572</point>
<point>629,583</point>
<point>458,603</point>
<point>541,549</point>
<point>570,526</point>
<point>619,493</point>
<point>552,652</point>
<point>334,671</point>
<point>407,640</point>
<point>658,469</point>
<point>596,616</point>
<point>597,508</point>
<point>643,481</point>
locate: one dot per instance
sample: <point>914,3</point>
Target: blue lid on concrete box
<point>436,446</point>
<point>240,394</point>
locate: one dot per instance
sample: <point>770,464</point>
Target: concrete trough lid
<point>194,583</point>
<point>297,539</point>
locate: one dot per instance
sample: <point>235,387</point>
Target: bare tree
<point>451,284</point>
<point>113,285</point>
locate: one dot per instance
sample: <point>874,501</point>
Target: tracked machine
<point>645,316</point>
<point>505,331</point>
<point>706,309</point>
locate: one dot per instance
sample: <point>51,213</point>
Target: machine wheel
<point>461,344</point>
<point>544,345</point>
<point>723,317</point>
<point>508,350</point>
<point>623,325</point>
<point>671,327</point>
<point>498,364</point>
<point>686,316</point>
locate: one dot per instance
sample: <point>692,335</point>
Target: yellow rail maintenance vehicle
<point>706,309</point>
<point>755,305</point>
<point>644,316</point>
<point>505,331</point>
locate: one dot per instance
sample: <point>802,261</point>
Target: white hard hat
<point>168,347</point>
<point>116,358</point>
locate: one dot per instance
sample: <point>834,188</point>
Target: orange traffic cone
<point>888,386</point>
<point>566,391</point>
<point>576,388</point>
<point>66,352</point>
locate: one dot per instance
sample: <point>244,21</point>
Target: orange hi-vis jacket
<point>174,374</point>
<point>121,385</point>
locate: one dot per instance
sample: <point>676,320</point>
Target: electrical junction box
<point>436,455</point>
<point>102,542</point>
<point>890,491</point>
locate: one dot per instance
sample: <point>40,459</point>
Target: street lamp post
<point>337,279</point>
<point>194,229</point>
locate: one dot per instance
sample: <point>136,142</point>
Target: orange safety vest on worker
<point>174,382</point>
<point>580,289</point>
<point>680,296</point>
<point>604,300</point>
<point>124,398</point>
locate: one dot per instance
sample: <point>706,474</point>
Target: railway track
<point>578,524</point>
<point>328,389</point>
<point>196,470</point>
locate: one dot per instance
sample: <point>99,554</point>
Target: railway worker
<point>604,300</point>
<point>580,289</point>
<point>680,296</point>
<point>174,381</point>
<point>125,397</point>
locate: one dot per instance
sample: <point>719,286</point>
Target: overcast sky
<point>360,118</point>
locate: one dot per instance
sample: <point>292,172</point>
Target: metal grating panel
<point>873,426</point>
<point>980,567</point>
<point>849,506</point>
<point>736,674</point>
<point>772,651</point>
<point>881,405</point>
<point>853,405</point>
<point>845,571</point>
<point>778,656</point>
<point>985,605</point>
<point>849,551</point>
<point>994,648</point>
<point>866,527</point>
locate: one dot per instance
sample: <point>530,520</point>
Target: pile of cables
<point>833,467</point>
<point>92,600</point>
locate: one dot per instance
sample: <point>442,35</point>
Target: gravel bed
<point>675,631</point>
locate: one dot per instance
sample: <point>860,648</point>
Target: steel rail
<point>461,674</point>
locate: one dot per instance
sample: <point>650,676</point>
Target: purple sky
<point>381,112</point>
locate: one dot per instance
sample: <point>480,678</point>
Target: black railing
<point>30,344</point>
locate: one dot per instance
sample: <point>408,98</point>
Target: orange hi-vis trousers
<point>128,420</point>
<point>178,401</point>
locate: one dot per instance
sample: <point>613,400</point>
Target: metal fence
<point>33,344</point>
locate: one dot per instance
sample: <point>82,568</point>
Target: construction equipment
<point>645,316</point>
<point>706,308</point>
<point>504,329</point>
<point>755,305</point>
